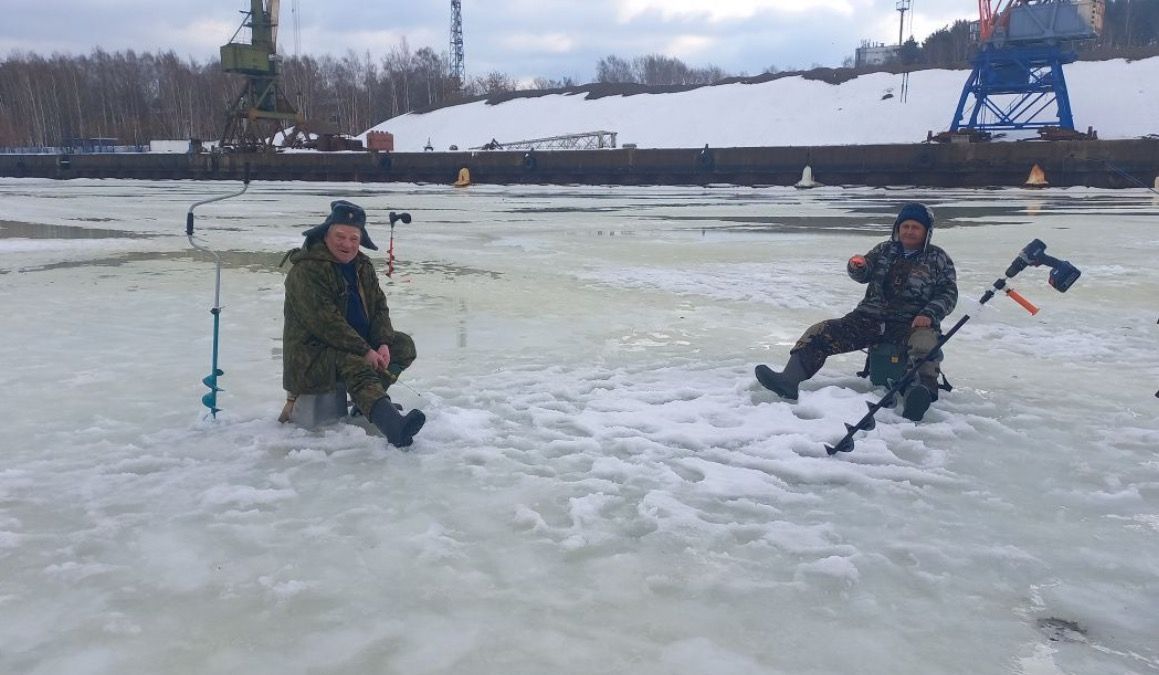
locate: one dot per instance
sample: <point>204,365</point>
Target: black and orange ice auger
<point>394,218</point>
<point>1062,276</point>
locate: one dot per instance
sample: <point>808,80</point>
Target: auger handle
<point>189,214</point>
<point>1026,304</point>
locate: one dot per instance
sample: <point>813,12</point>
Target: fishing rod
<point>394,217</point>
<point>1062,276</point>
<point>210,399</point>
<point>1136,181</point>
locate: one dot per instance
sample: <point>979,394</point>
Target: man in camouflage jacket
<point>911,288</point>
<point>337,324</point>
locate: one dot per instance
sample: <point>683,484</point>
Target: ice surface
<point>601,486</point>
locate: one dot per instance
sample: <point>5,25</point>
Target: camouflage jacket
<point>315,330</point>
<point>901,288</point>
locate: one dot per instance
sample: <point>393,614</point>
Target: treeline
<point>136,97</point>
<point>1130,29</point>
<point>654,69</point>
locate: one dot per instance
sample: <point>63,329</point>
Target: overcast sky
<point>524,39</point>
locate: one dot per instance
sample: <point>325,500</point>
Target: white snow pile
<point>1118,98</point>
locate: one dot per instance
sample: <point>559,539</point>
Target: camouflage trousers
<point>858,330</point>
<point>365,384</point>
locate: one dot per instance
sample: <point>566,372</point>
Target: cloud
<point>689,46</point>
<point>544,43</point>
<point>724,10</point>
<point>524,39</point>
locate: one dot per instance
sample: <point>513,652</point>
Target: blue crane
<point>1017,80</point>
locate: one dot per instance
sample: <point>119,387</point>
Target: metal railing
<point>589,140</point>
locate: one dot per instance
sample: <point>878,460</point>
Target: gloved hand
<point>857,262</point>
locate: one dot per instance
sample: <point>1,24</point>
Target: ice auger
<point>210,399</point>
<point>394,217</point>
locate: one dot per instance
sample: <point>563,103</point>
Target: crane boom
<point>272,9</point>
<point>990,14</point>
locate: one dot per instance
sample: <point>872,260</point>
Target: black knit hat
<point>915,211</point>
<point>342,212</point>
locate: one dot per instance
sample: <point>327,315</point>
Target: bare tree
<point>613,69</point>
<point>492,83</point>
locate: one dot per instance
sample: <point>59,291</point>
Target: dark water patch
<point>1062,630</point>
<point>16,230</point>
<point>825,223</point>
<point>566,209</point>
<point>820,224</point>
<point>250,260</point>
<point>437,268</point>
<point>221,216</point>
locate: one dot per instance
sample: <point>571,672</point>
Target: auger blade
<point>844,445</point>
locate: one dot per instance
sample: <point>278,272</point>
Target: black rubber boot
<point>917,402</point>
<point>784,383</point>
<point>399,430</point>
<point>931,383</point>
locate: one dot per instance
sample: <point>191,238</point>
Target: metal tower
<point>261,111</point>
<point>457,69</point>
<point>1017,81</point>
<point>902,7</point>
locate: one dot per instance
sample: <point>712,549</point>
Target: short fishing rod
<point>210,399</point>
<point>1062,276</point>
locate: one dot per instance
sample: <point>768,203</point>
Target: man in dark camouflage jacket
<point>912,287</point>
<point>337,324</point>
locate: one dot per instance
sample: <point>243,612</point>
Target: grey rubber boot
<point>399,429</point>
<point>784,383</point>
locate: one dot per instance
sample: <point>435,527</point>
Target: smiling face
<point>343,241</point>
<point>911,234</point>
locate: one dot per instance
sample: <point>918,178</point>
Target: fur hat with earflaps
<point>342,212</point>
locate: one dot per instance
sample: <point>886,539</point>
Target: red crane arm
<point>992,13</point>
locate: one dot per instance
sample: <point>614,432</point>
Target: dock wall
<point>1106,164</point>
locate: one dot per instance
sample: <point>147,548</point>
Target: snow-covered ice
<point>601,487</point>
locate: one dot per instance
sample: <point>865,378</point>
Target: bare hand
<point>375,360</point>
<point>384,351</point>
<point>922,321</point>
